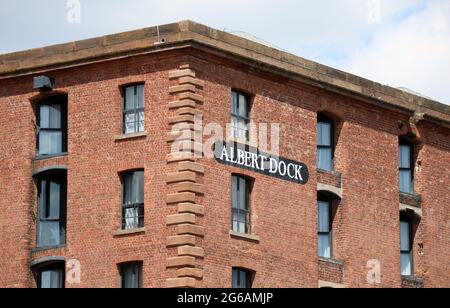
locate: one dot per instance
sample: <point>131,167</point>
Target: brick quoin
<point>186,241</point>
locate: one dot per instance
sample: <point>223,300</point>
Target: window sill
<point>130,136</point>
<point>44,157</point>
<point>41,249</point>
<point>332,261</point>
<point>130,232</point>
<point>242,236</point>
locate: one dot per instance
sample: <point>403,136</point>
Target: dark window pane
<point>325,159</point>
<point>324,216</point>
<point>241,279</point>
<point>240,114</point>
<point>325,144</point>
<point>134,117</point>
<point>406,167</point>
<point>51,279</point>
<point>50,142</point>
<point>49,234</point>
<point>52,130</point>
<point>55,200</point>
<point>324,228</point>
<point>131,276</point>
<point>406,181</point>
<point>405,156</point>
<point>140,96</point>
<point>234,103</point>
<point>324,134</point>
<point>405,236</point>
<point>133,200</point>
<point>406,261</point>
<point>406,248</point>
<point>138,187</point>
<point>241,207</point>
<point>325,246</point>
<point>130,98</point>
<point>52,204</point>
<point>50,116</point>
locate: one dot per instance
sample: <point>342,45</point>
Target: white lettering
<point>298,173</point>
<point>282,168</point>
<point>225,155</point>
<point>291,167</point>
<point>273,165</point>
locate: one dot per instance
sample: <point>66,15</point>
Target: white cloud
<point>413,54</point>
<point>409,47</point>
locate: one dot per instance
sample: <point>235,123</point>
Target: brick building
<point>93,194</point>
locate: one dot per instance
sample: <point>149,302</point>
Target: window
<point>52,127</point>
<point>52,190</point>
<point>240,117</point>
<point>131,275</point>
<point>406,164</point>
<point>133,200</point>
<point>133,109</point>
<point>406,247</point>
<point>324,228</point>
<point>241,193</point>
<point>325,143</point>
<point>51,277</point>
<point>242,279</point>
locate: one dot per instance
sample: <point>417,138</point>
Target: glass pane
<point>323,216</point>
<point>43,200</point>
<point>131,217</point>
<point>243,106</point>
<point>405,236</point>
<point>140,96</point>
<point>325,159</point>
<point>239,279</point>
<point>242,129</point>
<point>234,127</point>
<point>50,142</point>
<point>51,279</point>
<point>405,156</point>
<point>234,103</point>
<point>243,279</point>
<point>141,119</point>
<point>128,189</point>
<point>235,180</point>
<point>242,192</point>
<point>44,114</point>
<point>138,187</point>
<point>406,184</point>
<point>325,246</point>
<point>50,116</point>
<point>129,98</point>
<point>130,277</point>
<point>49,234</point>
<point>324,134</point>
<point>406,260</point>
<point>55,200</point>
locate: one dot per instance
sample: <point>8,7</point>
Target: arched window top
<point>50,170</point>
<point>329,192</point>
<point>325,117</point>
<point>47,261</point>
<point>52,96</point>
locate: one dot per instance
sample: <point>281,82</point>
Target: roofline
<point>186,34</point>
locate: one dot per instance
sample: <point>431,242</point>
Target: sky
<point>401,43</point>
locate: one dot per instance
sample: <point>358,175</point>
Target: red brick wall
<point>284,214</point>
<point>434,184</point>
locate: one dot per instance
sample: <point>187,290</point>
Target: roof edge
<point>133,42</point>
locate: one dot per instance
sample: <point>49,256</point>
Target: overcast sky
<point>402,43</point>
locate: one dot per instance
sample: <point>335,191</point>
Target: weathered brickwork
<point>186,239</point>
